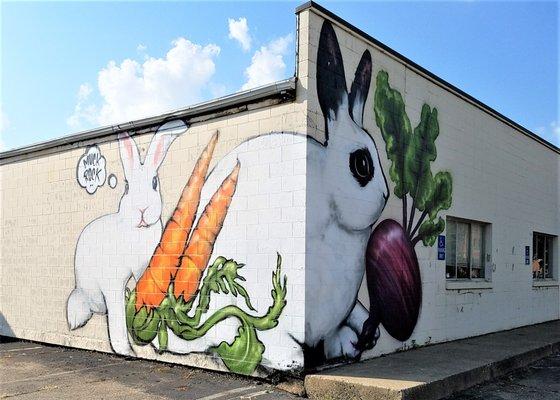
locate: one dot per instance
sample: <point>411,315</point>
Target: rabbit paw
<point>369,335</point>
<point>123,349</point>
<point>342,343</point>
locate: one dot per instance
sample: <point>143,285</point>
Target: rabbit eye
<point>125,187</point>
<point>154,183</point>
<point>361,166</point>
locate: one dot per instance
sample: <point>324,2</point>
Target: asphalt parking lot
<point>538,381</point>
<point>36,371</point>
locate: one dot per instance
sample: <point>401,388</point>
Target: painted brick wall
<point>44,211</point>
<point>500,177</point>
<point>309,197</point>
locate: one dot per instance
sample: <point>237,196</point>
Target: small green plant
<point>411,153</point>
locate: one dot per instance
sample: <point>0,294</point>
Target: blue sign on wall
<point>441,247</point>
<point>527,256</point>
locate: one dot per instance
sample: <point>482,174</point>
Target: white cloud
<point>550,132</point>
<point>132,90</point>
<point>267,64</point>
<point>83,112</point>
<point>84,91</point>
<point>141,48</point>
<point>239,30</point>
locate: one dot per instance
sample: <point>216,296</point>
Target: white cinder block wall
<point>500,176</point>
<point>313,199</point>
<point>44,211</point>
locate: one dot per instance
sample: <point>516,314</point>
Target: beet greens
<point>411,154</point>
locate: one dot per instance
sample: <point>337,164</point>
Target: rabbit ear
<point>331,80</point>
<point>162,139</point>
<point>130,157</point>
<point>360,87</point>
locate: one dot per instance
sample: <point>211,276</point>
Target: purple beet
<point>393,280</point>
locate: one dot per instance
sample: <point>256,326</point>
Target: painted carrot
<point>152,286</point>
<point>201,243</point>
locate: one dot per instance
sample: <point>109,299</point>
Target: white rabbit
<point>342,191</point>
<point>114,247</point>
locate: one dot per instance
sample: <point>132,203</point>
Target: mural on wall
<point>264,333</point>
<point>169,297</point>
<point>191,292</point>
<point>392,270</point>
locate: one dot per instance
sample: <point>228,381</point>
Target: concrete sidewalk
<point>437,371</point>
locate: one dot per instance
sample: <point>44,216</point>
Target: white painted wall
<point>44,211</point>
<point>500,176</point>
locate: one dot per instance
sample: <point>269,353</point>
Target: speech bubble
<point>90,171</point>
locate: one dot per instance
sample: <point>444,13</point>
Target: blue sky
<point>69,66</point>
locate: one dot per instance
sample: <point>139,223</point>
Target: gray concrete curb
<point>441,367</point>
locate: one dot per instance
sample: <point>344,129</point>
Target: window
<point>543,245</point>
<point>465,251</point>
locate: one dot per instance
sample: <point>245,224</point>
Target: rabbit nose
<point>142,223</point>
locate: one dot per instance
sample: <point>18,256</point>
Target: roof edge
<point>285,88</point>
<point>430,75</point>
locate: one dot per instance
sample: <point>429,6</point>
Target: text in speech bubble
<point>90,171</point>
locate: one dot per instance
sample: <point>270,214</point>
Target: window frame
<point>549,247</point>
<point>483,251</point>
